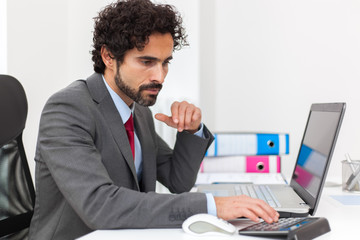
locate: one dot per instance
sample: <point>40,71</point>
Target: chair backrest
<point>17,194</point>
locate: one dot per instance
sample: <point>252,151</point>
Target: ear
<point>107,58</point>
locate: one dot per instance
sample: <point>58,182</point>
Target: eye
<point>166,62</point>
<point>147,62</point>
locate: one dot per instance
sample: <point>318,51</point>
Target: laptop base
<point>291,214</point>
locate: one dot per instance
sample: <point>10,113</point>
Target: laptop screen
<point>316,149</point>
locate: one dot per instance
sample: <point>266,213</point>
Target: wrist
<point>194,130</point>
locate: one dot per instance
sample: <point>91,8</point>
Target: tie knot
<point>129,125</point>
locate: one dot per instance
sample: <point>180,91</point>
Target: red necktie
<point>129,126</point>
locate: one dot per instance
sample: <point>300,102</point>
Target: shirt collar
<point>121,106</point>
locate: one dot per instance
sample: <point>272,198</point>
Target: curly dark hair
<point>126,24</point>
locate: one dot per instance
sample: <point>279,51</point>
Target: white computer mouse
<point>206,224</point>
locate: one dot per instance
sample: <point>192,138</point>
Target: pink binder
<point>261,164</point>
<point>243,164</point>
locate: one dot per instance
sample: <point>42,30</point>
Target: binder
<point>243,164</point>
<point>240,143</point>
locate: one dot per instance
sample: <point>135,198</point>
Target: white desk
<point>344,223</point>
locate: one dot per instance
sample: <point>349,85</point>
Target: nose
<point>159,73</point>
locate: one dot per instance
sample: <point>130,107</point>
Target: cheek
<point>132,76</point>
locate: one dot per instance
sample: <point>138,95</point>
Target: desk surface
<point>344,223</point>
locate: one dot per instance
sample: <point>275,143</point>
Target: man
<point>94,172</point>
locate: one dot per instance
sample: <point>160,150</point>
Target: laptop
<point>301,197</point>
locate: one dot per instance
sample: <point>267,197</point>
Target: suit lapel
<point>106,105</point>
<point>148,151</point>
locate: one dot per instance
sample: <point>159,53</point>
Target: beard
<point>137,96</point>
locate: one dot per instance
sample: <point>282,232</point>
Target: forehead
<point>159,46</point>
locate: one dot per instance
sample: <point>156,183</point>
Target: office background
<point>252,65</point>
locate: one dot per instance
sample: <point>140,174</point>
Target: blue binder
<point>241,143</point>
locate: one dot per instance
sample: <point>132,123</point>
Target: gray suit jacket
<point>85,174</point>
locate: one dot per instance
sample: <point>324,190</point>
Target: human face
<point>141,75</point>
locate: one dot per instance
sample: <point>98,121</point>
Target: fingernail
<point>176,120</point>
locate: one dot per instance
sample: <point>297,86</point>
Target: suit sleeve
<point>178,168</point>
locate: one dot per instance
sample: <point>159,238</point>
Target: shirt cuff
<point>200,133</point>
<point>211,206</point>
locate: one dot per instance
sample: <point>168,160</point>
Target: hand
<point>185,116</point>
<point>244,206</point>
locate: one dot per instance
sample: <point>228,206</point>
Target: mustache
<point>151,86</point>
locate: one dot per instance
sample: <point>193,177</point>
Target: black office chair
<point>17,195</point>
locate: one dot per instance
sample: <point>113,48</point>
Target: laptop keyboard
<point>258,191</point>
<point>281,225</point>
<point>289,228</point>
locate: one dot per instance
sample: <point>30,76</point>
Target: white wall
<point>253,65</point>
<point>3,35</point>
<point>274,58</point>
